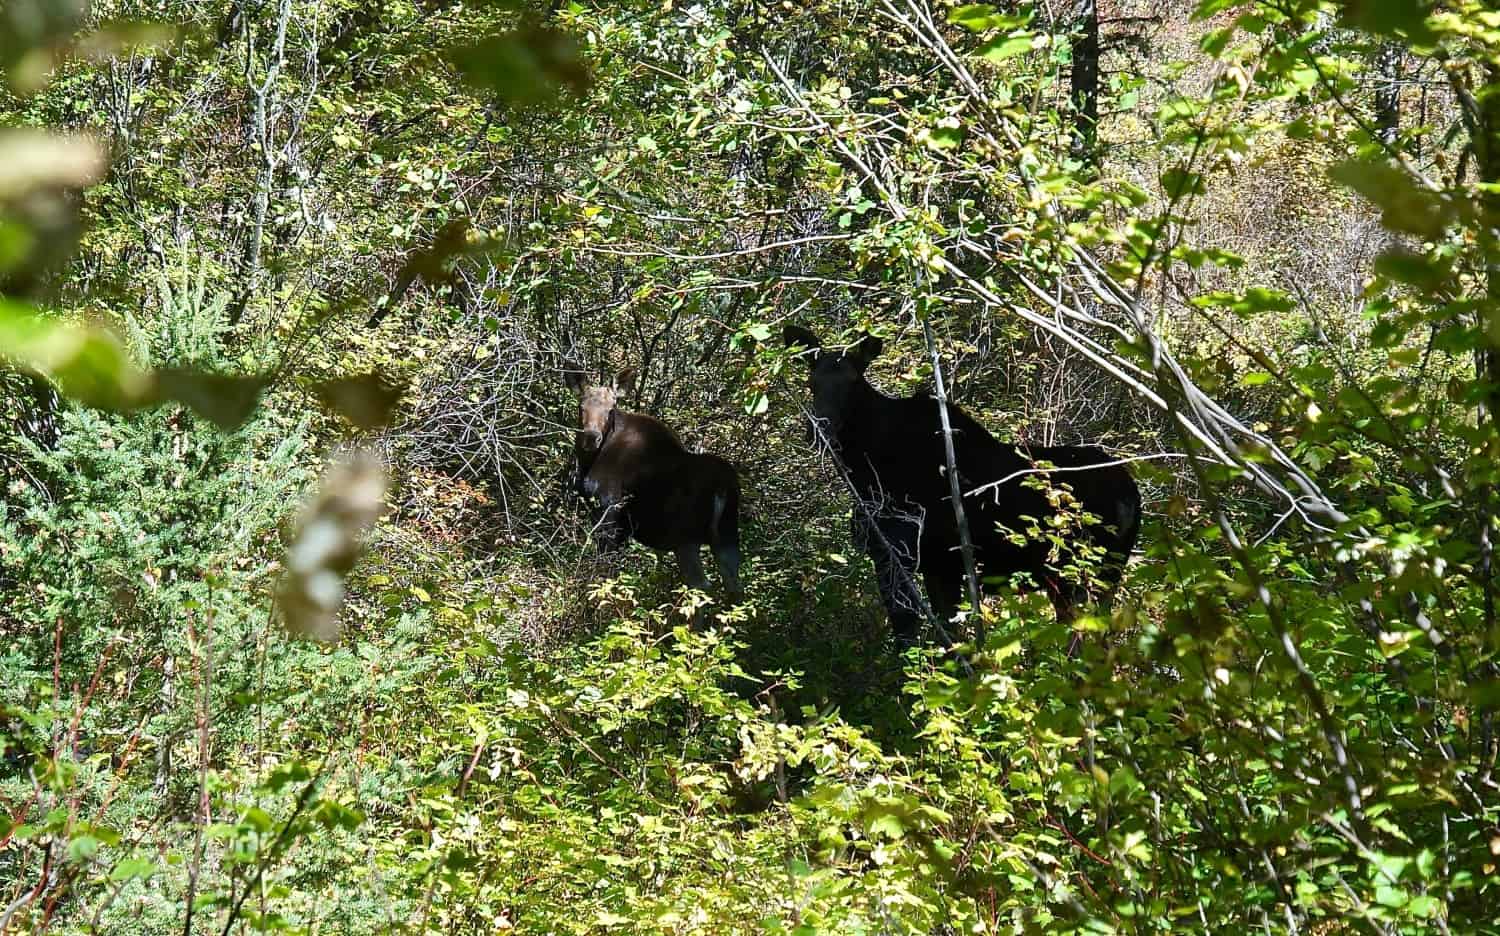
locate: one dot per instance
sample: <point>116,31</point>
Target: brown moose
<point>650,488</point>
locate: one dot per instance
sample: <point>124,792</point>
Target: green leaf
<point>433,263</point>
<point>333,814</point>
<point>886,824</point>
<point>1405,19</point>
<point>1423,273</point>
<point>83,848</point>
<point>1485,694</point>
<point>87,364</point>
<point>945,138</point>
<point>258,819</point>
<point>1254,301</point>
<point>980,17</point>
<point>1215,41</point>
<point>284,774</point>
<point>1207,9</point>
<point>972,16</point>
<point>1178,182</point>
<point>1178,110</point>
<point>1006,47</point>
<point>130,869</point>
<point>91,366</point>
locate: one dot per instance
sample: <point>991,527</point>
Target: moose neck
<point>862,421</point>
<point>611,422</point>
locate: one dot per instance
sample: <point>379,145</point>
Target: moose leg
<point>945,590</point>
<point>727,556</point>
<point>726,536</point>
<point>691,563</point>
<point>896,578</point>
<point>1065,602</point>
<point>903,604</point>
<point>611,530</point>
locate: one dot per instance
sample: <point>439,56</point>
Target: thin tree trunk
<point>164,744</point>
<point>201,816</point>
<point>1388,93</point>
<point>1084,83</point>
<point>1485,145</point>
<point>265,111</point>
<point>955,487</point>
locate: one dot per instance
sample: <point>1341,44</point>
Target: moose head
<point>596,406</point>
<point>833,375</point>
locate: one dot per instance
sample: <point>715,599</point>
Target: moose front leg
<point>690,561</point>
<point>892,546</point>
<point>612,529</point>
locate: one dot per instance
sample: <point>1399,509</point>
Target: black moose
<point>892,452</point>
<point>650,488</point>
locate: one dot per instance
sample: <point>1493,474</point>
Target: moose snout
<point>588,441</point>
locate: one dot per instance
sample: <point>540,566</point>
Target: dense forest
<point>323,607</point>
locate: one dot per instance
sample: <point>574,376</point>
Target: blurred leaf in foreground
<point>365,400</point>
<point>35,35</point>
<point>31,33</point>
<point>327,544</point>
<point>526,66</point>
<point>1391,18</point>
<point>39,223</point>
<point>91,366</point>
<point>1405,206</point>
<point>433,263</point>
<point>227,401</point>
<point>87,364</point>
<point>31,160</point>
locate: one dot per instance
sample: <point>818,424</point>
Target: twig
<point>955,488</point>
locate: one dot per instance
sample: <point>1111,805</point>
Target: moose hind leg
<point>727,556</point>
<point>724,535</point>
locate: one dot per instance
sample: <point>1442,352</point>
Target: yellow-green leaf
<point>1405,206</point>
<point>1006,47</point>
<point>526,66</point>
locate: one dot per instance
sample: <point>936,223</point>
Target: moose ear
<point>575,377</point>
<point>625,380</point>
<point>794,335</point>
<point>865,351</point>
